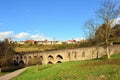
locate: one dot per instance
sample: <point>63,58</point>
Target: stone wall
<point>52,57</point>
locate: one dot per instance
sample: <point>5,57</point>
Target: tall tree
<point>107,12</point>
<point>6,53</point>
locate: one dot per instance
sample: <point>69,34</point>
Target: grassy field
<point>101,69</point>
<point>27,49</point>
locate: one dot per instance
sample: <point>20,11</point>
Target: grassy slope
<point>78,70</point>
<point>27,49</point>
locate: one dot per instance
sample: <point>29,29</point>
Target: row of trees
<point>100,30</point>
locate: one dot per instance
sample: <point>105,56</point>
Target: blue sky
<point>59,19</point>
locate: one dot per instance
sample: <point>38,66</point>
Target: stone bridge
<point>59,56</point>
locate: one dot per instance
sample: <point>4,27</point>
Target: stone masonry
<point>59,56</point>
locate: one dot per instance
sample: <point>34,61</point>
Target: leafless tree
<point>90,29</point>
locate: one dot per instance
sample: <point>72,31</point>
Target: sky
<point>45,19</point>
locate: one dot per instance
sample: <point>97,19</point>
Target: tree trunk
<point>106,40</point>
<point>37,67</point>
<point>108,53</point>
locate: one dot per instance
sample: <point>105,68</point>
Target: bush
<point>11,69</point>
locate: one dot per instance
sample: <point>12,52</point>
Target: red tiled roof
<point>30,41</point>
<point>71,41</point>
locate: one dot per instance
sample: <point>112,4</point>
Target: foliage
<point>6,53</point>
<point>113,35</point>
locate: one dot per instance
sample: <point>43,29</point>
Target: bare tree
<point>90,29</point>
<point>107,12</point>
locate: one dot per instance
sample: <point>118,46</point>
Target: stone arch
<point>50,57</point>
<point>29,57</point>
<point>35,56</point>
<point>21,62</point>
<point>50,62</point>
<point>59,62</point>
<point>59,57</point>
<point>41,58</point>
<point>40,63</point>
<point>17,58</point>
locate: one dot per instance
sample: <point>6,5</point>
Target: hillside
<point>101,69</point>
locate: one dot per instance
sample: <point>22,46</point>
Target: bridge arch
<point>50,58</point>
<point>21,62</point>
<point>41,57</point>
<point>40,62</point>
<point>49,62</point>
<point>59,62</point>
<point>35,56</point>
<point>59,57</point>
<point>30,57</point>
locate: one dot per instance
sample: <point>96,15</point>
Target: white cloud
<point>36,37</point>
<point>22,35</point>
<point>39,37</point>
<point>79,39</point>
<point>116,21</point>
<point>6,34</point>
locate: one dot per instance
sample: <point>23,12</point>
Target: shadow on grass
<point>102,58</point>
<point>48,66</point>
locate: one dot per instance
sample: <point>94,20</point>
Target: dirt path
<point>12,74</point>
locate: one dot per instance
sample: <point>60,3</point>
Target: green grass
<point>77,70</point>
